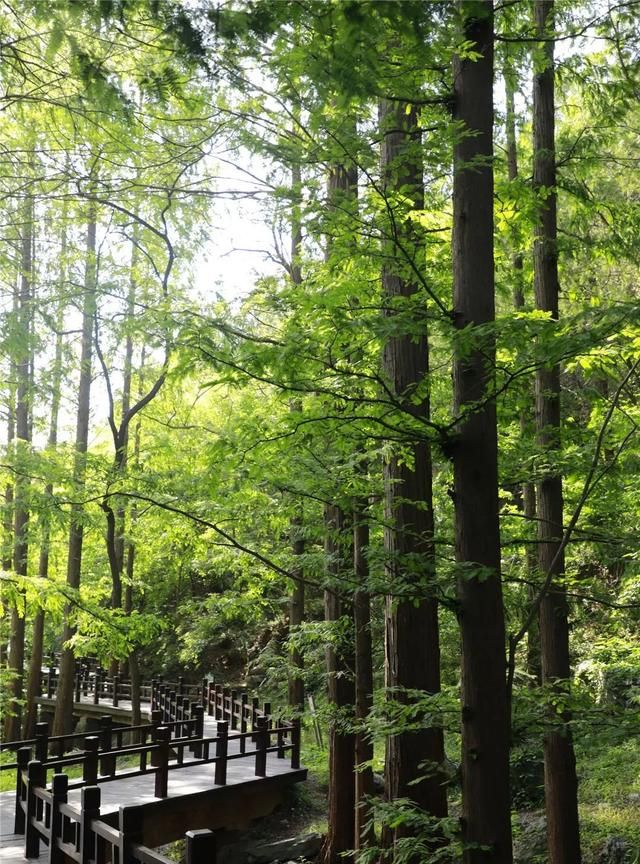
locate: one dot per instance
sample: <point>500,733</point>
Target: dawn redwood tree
<point>37,636</point>
<point>528,487</point>
<point>486,816</point>
<point>23,364</point>
<point>412,647</point>
<point>63,719</point>
<point>340,837</point>
<point>560,779</point>
<point>296,600</point>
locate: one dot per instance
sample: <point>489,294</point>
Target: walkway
<point>233,805</point>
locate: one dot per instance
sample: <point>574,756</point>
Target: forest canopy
<point>320,373</point>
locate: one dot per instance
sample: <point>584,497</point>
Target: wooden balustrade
<point>83,837</point>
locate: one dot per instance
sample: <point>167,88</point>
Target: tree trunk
<point>296,602</point>
<point>63,719</point>
<point>528,488</point>
<point>486,817</point>
<point>37,639</point>
<point>12,720</point>
<point>341,805</point>
<point>364,676</point>
<point>411,625</point>
<point>560,780</point>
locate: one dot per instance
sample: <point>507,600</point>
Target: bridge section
<point>206,763</point>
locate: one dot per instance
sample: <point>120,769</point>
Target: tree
<point>486,821</point>
<point>412,650</point>
<point>63,719</point>
<point>561,786</point>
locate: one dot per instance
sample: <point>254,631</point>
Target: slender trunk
<point>35,665</point>
<point>486,816</point>
<point>560,779</point>
<point>63,719</point>
<point>528,488</point>
<point>414,758</point>
<point>132,666</point>
<point>365,836</point>
<point>12,720</point>
<point>341,805</point>
<point>341,190</point>
<point>7,515</point>
<point>296,601</point>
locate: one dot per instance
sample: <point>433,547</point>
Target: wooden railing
<point>83,837</point>
<point>188,725</point>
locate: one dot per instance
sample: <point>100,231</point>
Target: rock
<point>613,851</point>
<point>305,846</point>
<point>531,841</point>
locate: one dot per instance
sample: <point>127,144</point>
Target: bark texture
<point>486,817</point>
<point>340,836</point>
<point>560,779</point>
<point>412,649</point>
<point>364,677</point>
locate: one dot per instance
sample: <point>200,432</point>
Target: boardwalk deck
<point>201,804</point>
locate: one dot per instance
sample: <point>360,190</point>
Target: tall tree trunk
<point>341,189</point>
<point>7,507</point>
<point>35,665</point>
<point>296,601</point>
<point>414,758</point>
<point>486,817</point>
<point>12,720</point>
<point>364,676</point>
<point>560,780</point>
<point>528,488</point>
<point>116,516</point>
<point>63,719</point>
<point>341,805</point>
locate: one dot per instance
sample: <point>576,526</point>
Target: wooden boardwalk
<point>193,799</point>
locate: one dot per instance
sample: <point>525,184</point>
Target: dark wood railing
<point>83,837</point>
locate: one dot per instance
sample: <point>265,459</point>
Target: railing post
<point>243,721</point>
<point>22,757</point>
<point>130,829</point>
<point>198,716</point>
<point>116,685</point>
<point>156,721</point>
<point>78,683</point>
<point>217,700</point>
<point>180,690</point>
<point>41,749</point>
<point>200,847</point>
<point>162,769</point>
<point>180,702</point>
<point>96,686</point>
<point>90,763</point>
<point>232,708</point>
<point>262,742</point>
<point>107,763</point>
<point>254,712</point>
<point>152,695</point>
<point>222,743</point>
<point>210,697</point>
<point>266,710</point>
<point>51,674</point>
<point>204,692</point>
<point>59,786</point>
<point>89,810</point>
<point>85,679</point>
<point>172,706</point>
<point>36,775</point>
<point>295,742</point>
<point>225,697</point>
